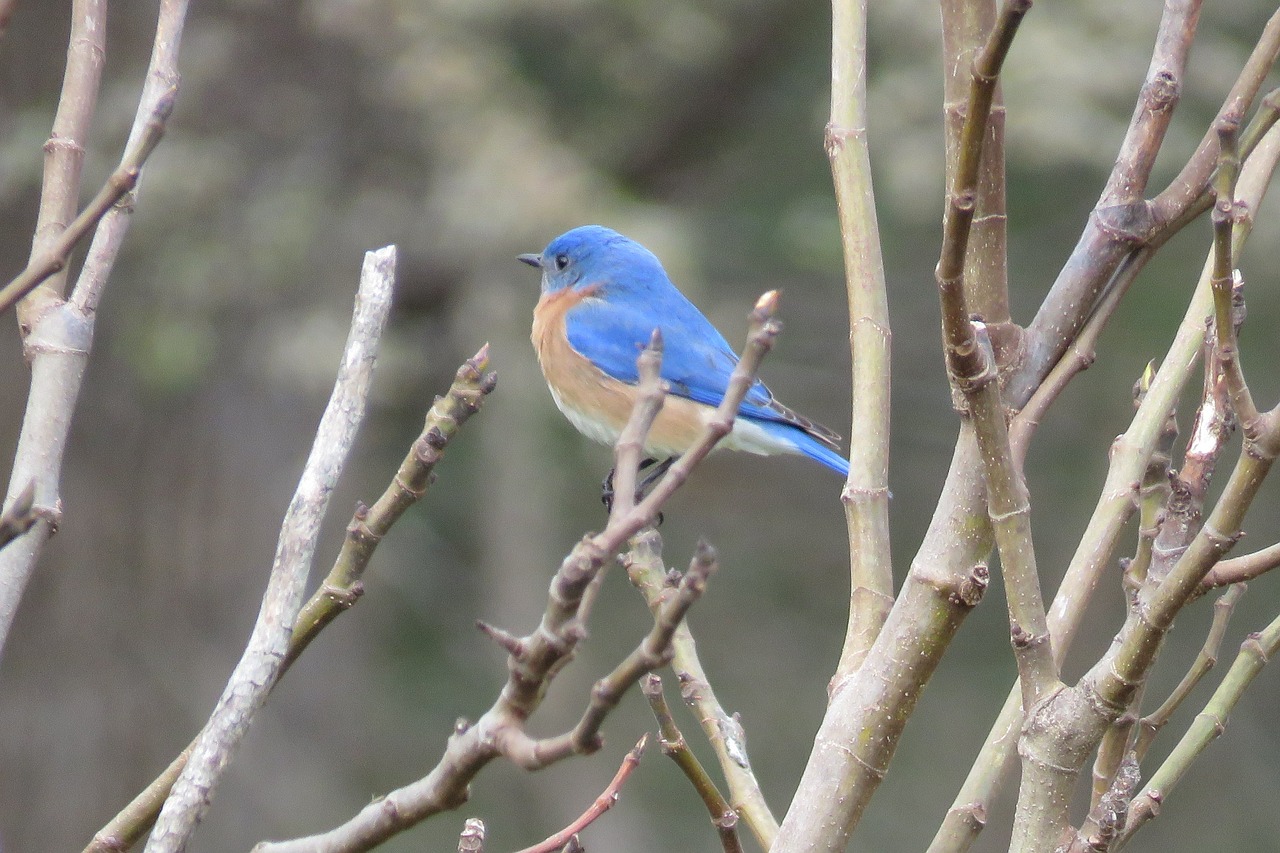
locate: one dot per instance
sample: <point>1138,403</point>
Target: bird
<point>603,295</point>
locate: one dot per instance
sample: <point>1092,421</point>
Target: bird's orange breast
<point>594,402</point>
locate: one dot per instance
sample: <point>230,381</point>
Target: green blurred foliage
<point>311,130</point>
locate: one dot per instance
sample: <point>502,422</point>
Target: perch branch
<point>535,659</point>
<point>260,665</point>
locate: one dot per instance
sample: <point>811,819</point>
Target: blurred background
<point>465,132</point>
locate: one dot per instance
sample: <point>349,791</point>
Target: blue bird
<point>603,294</point>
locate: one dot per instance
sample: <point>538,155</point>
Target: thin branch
<point>1211,722</point>
<point>53,257</point>
<point>674,746</point>
<point>343,586</point>
<point>971,364</point>
<point>58,339</point>
<point>541,654</point>
<point>651,392</point>
<point>1150,725</point>
<point>723,730</point>
<point>263,657</point>
<point>65,149</point>
<point>602,803</point>
<point>653,652</point>
<point>866,491</point>
<point>1240,569</point>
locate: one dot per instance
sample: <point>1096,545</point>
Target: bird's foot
<point>659,469</point>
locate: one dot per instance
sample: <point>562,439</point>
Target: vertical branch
<point>260,665</point>
<point>866,492</point>
<point>59,340</point>
<point>64,151</point>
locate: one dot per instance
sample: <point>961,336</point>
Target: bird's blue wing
<point>697,361</point>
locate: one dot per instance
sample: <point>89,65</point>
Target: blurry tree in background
<point>306,132</point>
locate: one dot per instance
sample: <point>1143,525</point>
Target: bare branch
<point>866,491</point>
<point>723,818</point>
<point>723,730</point>
<point>1243,568</point>
<point>500,730</point>
<point>602,803</point>
<point>263,657</point>
<point>343,586</point>
<point>53,257</point>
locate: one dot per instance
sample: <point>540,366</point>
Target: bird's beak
<point>531,259</point>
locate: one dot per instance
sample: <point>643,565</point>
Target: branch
<point>724,732</point>
<point>1254,654</point>
<point>263,657</point>
<point>723,817</point>
<point>653,652</point>
<point>971,364</point>
<point>534,659</point>
<point>1116,504</point>
<point>1150,725</point>
<point>866,491</point>
<point>602,803</point>
<point>59,336</point>
<point>65,149</point>
<point>53,257</point>
<point>1239,569</point>
<point>343,586</point>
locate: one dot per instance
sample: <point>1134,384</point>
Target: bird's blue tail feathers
<point>807,445</point>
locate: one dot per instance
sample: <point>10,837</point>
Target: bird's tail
<point>814,449</point>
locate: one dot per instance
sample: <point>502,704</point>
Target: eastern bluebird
<point>603,294</point>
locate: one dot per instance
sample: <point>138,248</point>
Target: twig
<point>471,839</point>
<point>260,665</point>
<point>65,149</point>
<point>53,257</point>
<point>723,817</point>
<point>724,732</point>
<point>1150,725</point>
<point>1243,568</point>
<point>1211,722</point>
<point>343,586</point>
<point>653,652</point>
<point>602,804</point>
<point>629,449</point>
<point>866,491</point>
<point>542,653</point>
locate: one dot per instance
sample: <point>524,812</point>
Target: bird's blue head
<point>593,254</point>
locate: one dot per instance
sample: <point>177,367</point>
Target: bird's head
<point>595,255</point>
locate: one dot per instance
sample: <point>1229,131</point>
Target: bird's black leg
<point>606,491</point>
<point>659,468</point>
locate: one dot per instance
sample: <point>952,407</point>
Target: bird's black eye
<point>562,261</point>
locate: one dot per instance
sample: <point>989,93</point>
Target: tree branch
<point>866,491</point>
<point>535,659</point>
<point>602,803</point>
<point>263,657</point>
<point>674,746</point>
